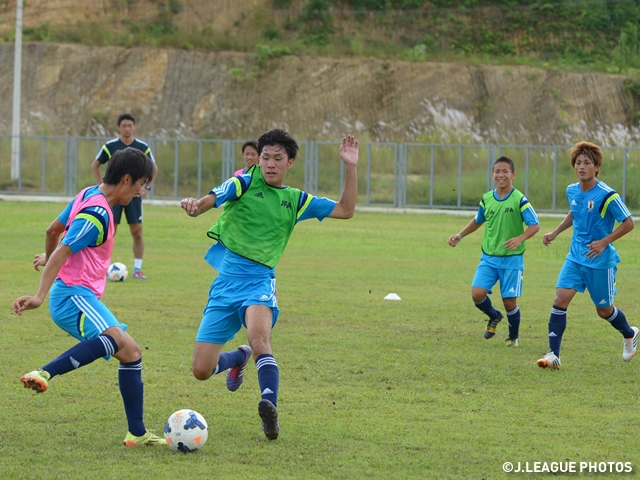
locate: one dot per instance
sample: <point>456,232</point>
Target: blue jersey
<point>594,215</point>
<point>529,217</point>
<point>83,231</point>
<point>228,263</point>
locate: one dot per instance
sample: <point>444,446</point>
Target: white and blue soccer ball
<point>117,272</point>
<point>186,431</point>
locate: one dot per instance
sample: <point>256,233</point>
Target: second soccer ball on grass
<point>117,272</point>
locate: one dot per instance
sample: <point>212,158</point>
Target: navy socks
<point>268,377</point>
<point>557,325</point>
<point>513,318</point>
<point>228,360</point>
<point>82,354</point>
<point>486,307</point>
<point>619,321</point>
<point>132,391</point>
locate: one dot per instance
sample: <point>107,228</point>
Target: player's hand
<point>349,150</point>
<point>547,238</point>
<point>454,239</point>
<point>596,248</point>
<point>39,260</point>
<point>190,205</point>
<point>26,302</point>
<point>512,243</point>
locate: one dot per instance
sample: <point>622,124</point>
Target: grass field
<point>368,388</point>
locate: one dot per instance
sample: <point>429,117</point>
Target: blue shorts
<point>510,279</point>
<point>229,297</point>
<point>77,311</point>
<point>601,282</point>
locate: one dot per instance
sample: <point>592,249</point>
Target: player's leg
<point>260,313</point>
<point>132,392</point>
<point>511,290</point>
<point>87,319</point>
<point>220,322</point>
<point>570,281</point>
<point>484,279</point>
<point>513,321</point>
<point>133,212</point>
<point>601,284</point>
<point>259,322</point>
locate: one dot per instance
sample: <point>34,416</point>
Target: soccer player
<point>133,211</point>
<point>252,232</point>
<point>592,260</point>
<point>249,155</point>
<point>75,269</point>
<point>504,210</point>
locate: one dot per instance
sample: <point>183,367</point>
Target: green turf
<point>368,388</point>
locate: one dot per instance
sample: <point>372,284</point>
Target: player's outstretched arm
<point>195,207</point>
<point>346,206</point>
<point>471,227</point>
<point>564,224</point>
<point>49,274</point>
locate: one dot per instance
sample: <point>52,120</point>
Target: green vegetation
<point>602,36</point>
<point>369,388</point>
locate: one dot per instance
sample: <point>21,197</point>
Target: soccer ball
<point>117,272</point>
<point>186,431</point>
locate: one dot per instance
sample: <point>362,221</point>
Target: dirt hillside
<point>80,90</point>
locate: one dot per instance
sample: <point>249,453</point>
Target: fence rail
<point>402,175</point>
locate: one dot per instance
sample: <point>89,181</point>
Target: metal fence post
<point>624,176</point>
<point>555,177</point>
<point>459,176</point>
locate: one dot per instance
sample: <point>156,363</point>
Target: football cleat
<point>137,273</point>
<point>511,342</point>
<point>146,439</point>
<point>630,345</point>
<point>37,380</point>
<point>235,375</point>
<point>269,416</point>
<point>549,361</point>
<point>490,331</point>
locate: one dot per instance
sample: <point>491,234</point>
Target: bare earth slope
<point>193,94</point>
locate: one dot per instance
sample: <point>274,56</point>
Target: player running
<point>75,269</point>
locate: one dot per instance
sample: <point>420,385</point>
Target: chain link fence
<point>401,175</point>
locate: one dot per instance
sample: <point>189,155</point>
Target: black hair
<point>250,143</point>
<point>128,161</point>
<point>126,116</point>
<point>278,136</point>
<point>506,160</point>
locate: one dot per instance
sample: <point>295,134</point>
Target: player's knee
<point>478,297</point>
<point>560,303</point>
<point>200,373</point>
<point>509,303</point>
<point>260,346</point>
<point>134,348</point>
<point>118,336</point>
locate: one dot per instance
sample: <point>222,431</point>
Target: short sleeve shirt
<point>112,146</point>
